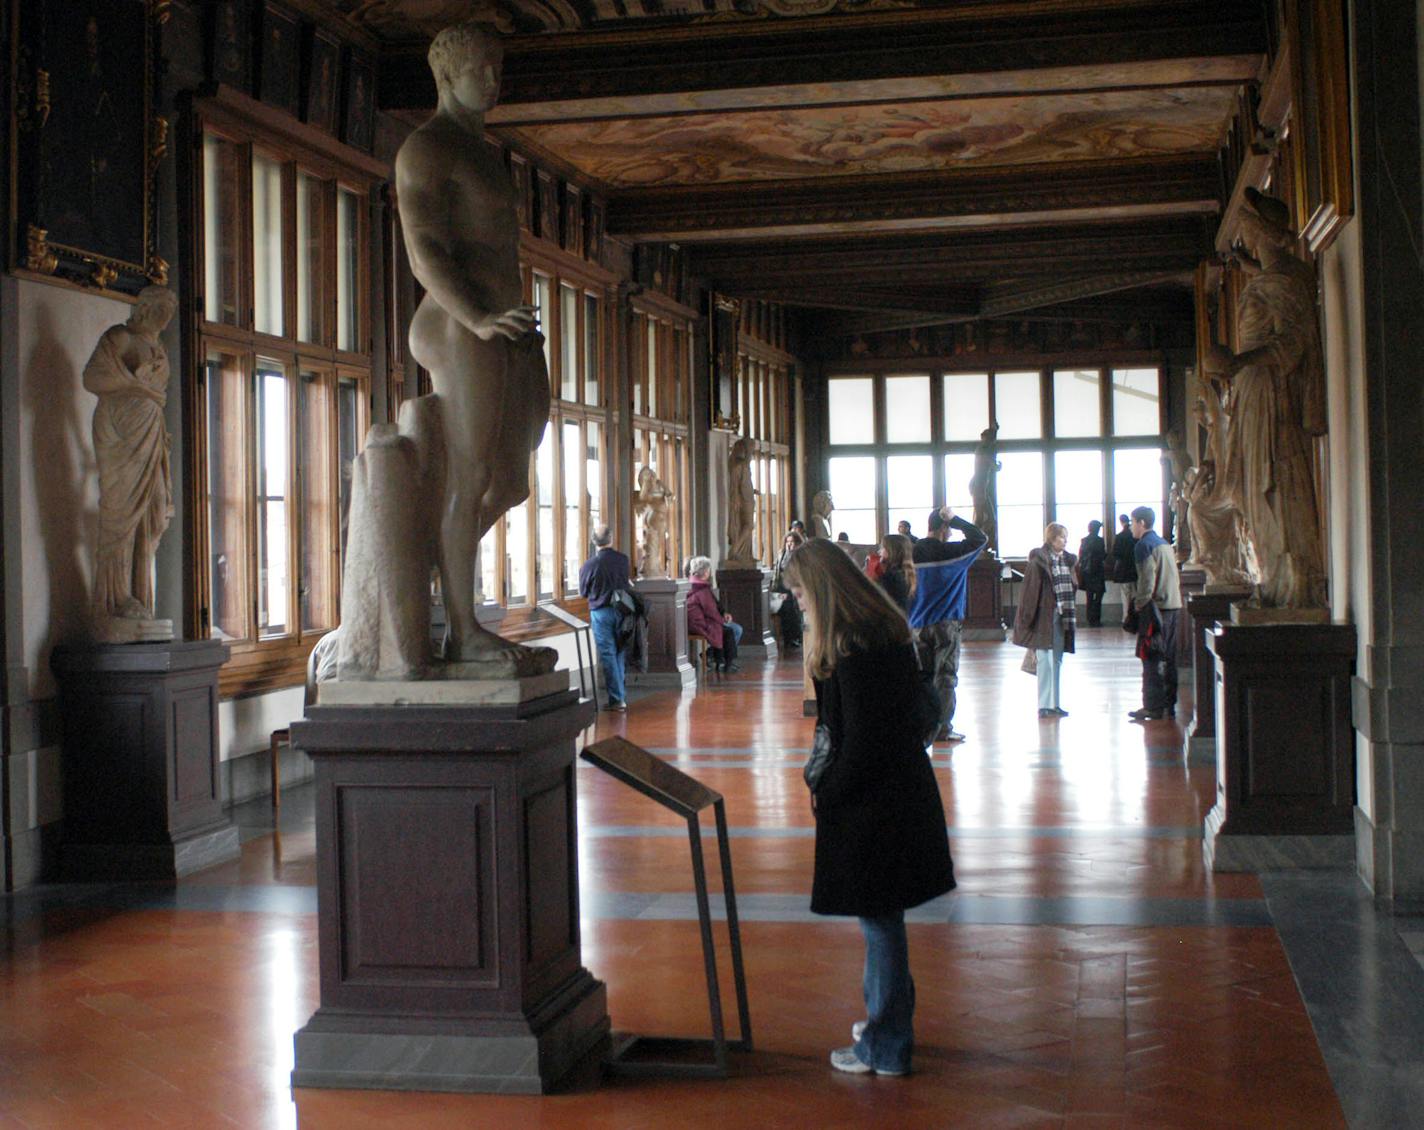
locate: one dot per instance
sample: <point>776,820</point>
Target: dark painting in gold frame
<point>1324,159</point>
<point>86,141</point>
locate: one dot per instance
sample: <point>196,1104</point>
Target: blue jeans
<point>888,1039</point>
<point>1050,667</point>
<point>605,638</point>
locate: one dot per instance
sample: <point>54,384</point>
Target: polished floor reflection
<point>1089,972</point>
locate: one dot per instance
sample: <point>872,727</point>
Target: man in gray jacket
<point>1157,586</point>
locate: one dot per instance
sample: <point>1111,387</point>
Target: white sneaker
<point>845,1059</point>
<point>857,1028</point>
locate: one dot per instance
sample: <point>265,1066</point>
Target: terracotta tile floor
<point>125,1012</point>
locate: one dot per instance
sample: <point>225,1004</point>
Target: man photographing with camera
<point>937,611</point>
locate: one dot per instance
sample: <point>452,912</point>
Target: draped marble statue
<point>984,484</point>
<point>650,508</point>
<point>1275,388</point>
<point>820,510</point>
<point>128,372</point>
<point>1179,464</point>
<point>1215,523</point>
<point>431,487</point>
<point>741,505</point>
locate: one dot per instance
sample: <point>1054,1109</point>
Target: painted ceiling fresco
<point>701,149</point>
<point>414,19</point>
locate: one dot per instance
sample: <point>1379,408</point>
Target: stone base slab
<point>329,1053</point>
<point>1244,614</point>
<point>684,678</point>
<point>121,630</point>
<point>441,692</point>
<point>139,862</point>
<point>1245,852</point>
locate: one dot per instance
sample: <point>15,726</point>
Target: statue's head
<point>467,61</point>
<point>821,503</point>
<point>1264,218</point>
<point>154,310</point>
<point>645,476</point>
<point>989,433</point>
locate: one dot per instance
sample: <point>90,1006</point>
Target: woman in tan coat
<point>1045,619</point>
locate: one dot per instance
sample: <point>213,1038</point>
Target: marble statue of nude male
<point>473,333</point>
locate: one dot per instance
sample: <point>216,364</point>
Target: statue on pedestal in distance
<point>128,372</point>
<point>1215,524</point>
<point>651,510</point>
<point>1179,464</point>
<point>1275,389</point>
<point>741,505</point>
<point>984,485</point>
<point>459,458</point>
<point>821,507</point>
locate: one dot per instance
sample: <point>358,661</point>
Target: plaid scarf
<point>1063,590</point>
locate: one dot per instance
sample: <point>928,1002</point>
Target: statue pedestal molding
<point>984,613</point>
<point>1285,792</point>
<point>1191,582</point>
<point>142,798</point>
<point>665,598</point>
<point>1204,609</point>
<point>448,899</point>
<point>746,594</point>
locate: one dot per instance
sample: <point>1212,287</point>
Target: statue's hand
<point>512,325</point>
<point>1219,363</point>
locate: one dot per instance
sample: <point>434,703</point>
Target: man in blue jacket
<point>937,611</point>
<point>603,574</point>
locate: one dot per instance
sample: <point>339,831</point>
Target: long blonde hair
<point>848,611</point>
<point>899,555</point>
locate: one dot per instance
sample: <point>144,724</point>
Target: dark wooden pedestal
<point>984,615</point>
<point>447,899</point>
<point>141,786</point>
<point>1203,610</point>
<point>746,594</point>
<point>668,666</point>
<point>1285,793</point>
<point>1190,582</point>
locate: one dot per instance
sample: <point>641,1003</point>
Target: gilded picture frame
<point>1324,196</point>
<point>86,141</point>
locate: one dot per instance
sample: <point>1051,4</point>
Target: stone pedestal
<point>448,899</point>
<point>1191,582</point>
<point>142,798</point>
<point>746,594</point>
<point>666,601</point>
<point>984,614</point>
<point>1285,791</point>
<point>1203,610</point>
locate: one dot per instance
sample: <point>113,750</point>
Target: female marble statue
<point>984,485</point>
<point>1213,520</point>
<point>1277,407</point>
<point>1179,464</point>
<point>651,510</point>
<point>128,372</point>
<point>821,508</point>
<point>741,504</point>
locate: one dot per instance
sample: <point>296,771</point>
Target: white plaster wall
<point>1347,507</point>
<point>55,332</point>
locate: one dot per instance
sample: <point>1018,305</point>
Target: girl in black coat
<point>881,845</point>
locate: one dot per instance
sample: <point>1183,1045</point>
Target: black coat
<point>1092,559</point>
<point>881,844</point>
<point>897,588</point>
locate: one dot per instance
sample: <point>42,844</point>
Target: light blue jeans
<point>605,638</point>
<point>888,1040</point>
<point>1050,666</point>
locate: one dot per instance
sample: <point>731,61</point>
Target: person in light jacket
<point>1045,620</point>
<point>881,846</point>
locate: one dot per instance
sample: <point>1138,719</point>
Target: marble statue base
<point>1285,794</point>
<point>665,599</point>
<point>448,899</point>
<point>142,793</point>
<point>119,630</point>
<point>441,692</point>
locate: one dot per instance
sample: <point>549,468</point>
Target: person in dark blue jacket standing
<point>603,574</point>
<point>937,612</point>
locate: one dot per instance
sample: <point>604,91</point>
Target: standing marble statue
<point>459,459</point>
<point>1179,463</point>
<point>1276,389</point>
<point>128,372</point>
<point>1213,519</point>
<point>984,485</point>
<point>650,507</point>
<point>821,508</point>
<point>741,504</point>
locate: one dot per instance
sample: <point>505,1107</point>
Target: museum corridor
<point>1089,972</point>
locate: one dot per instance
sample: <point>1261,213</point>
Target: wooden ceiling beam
<point>971,198</point>
<point>561,75</point>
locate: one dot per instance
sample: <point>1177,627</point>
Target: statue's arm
<point>105,371</point>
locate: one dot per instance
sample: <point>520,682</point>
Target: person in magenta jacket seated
<point>706,619</point>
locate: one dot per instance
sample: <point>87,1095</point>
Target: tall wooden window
<point>282,389</point>
<point>661,374</point>
<point>1076,443</point>
<point>763,399</point>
